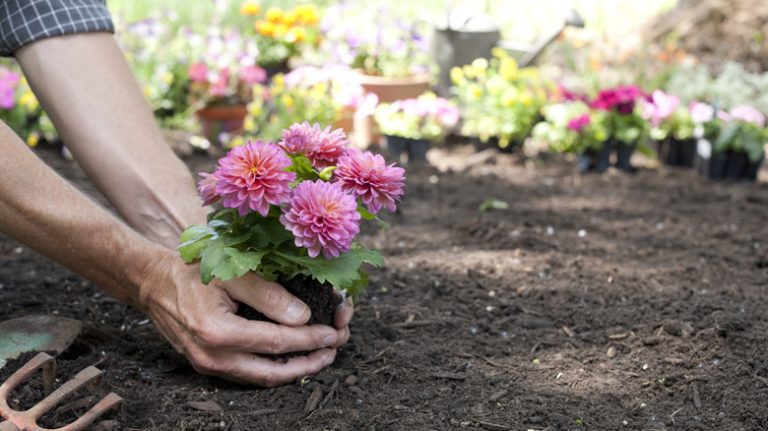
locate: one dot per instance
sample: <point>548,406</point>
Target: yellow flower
<point>526,100</point>
<point>287,100</point>
<point>296,34</point>
<point>475,91</point>
<point>167,78</point>
<point>508,69</point>
<point>469,71</point>
<point>280,30</point>
<point>33,139</point>
<point>249,124</point>
<point>250,8</point>
<point>28,100</point>
<point>265,28</point>
<point>457,76</point>
<point>480,64</point>
<point>274,14</point>
<point>307,14</point>
<point>278,82</point>
<point>499,52</point>
<point>291,17</point>
<point>237,141</point>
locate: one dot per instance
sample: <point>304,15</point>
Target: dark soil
<point>605,302</point>
<point>321,299</point>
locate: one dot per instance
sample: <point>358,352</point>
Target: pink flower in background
<point>622,99</point>
<point>322,146</point>
<point>198,72</point>
<point>578,123</point>
<point>660,106</point>
<point>220,83</point>
<point>369,177</point>
<point>8,81</point>
<point>322,217</point>
<point>207,188</point>
<point>570,96</point>
<point>748,114</point>
<point>253,75</point>
<point>724,116</point>
<point>701,112</point>
<point>253,177</point>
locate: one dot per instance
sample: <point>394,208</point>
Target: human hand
<point>200,322</point>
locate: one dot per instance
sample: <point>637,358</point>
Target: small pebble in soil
<point>659,226</point>
<point>550,231</point>
<point>18,250</point>
<point>433,179</point>
<point>491,293</point>
<point>473,330</point>
<point>504,335</point>
<point>582,233</point>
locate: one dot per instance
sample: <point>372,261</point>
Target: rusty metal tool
<point>26,420</point>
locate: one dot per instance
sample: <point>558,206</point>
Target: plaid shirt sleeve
<point>26,21</point>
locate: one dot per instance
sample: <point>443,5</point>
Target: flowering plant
<point>427,117</point>
<point>572,127</point>
<point>667,116</point>
<point>743,131</point>
<point>222,68</point>
<point>377,40</point>
<point>312,94</point>
<point>620,104</point>
<point>20,110</point>
<point>292,208</point>
<point>281,34</point>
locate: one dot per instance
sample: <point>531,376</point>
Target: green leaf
<point>226,263</point>
<point>492,204</point>
<point>365,214</point>
<point>327,173</point>
<point>342,272</point>
<point>302,166</point>
<point>193,240</point>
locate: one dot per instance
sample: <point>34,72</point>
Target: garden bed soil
<point>599,302</point>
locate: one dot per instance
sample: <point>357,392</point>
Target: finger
<point>343,337</point>
<point>232,332</point>
<point>269,298</point>
<point>270,373</point>
<point>344,314</point>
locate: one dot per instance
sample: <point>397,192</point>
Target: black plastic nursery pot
<point>624,152</point>
<point>677,152</point>
<point>415,148</point>
<point>595,160</point>
<point>728,165</point>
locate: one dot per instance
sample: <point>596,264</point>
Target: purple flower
<point>8,81</point>
<point>620,99</point>
<point>701,112</point>
<point>659,107</point>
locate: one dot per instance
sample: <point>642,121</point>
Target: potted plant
<point>625,123</point>
<point>410,125</point>
<point>282,34</point>
<point>290,212</point>
<point>499,102</point>
<point>572,127</point>
<point>671,127</point>
<point>285,100</point>
<point>732,143</point>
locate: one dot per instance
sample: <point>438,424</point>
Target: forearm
<point>40,209</point>
<point>85,85</point>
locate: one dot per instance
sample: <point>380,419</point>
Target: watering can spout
<point>574,19</point>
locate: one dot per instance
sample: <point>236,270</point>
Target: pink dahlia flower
<point>322,146</point>
<point>322,217</point>
<point>368,176</point>
<point>207,188</point>
<point>253,177</point>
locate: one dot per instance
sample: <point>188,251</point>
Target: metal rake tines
<point>27,420</point>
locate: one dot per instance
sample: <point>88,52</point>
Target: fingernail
<point>328,360</point>
<point>296,310</point>
<point>329,340</point>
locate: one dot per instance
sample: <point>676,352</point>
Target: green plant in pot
<point>500,103</point>
<point>671,127</point>
<point>625,122</point>
<point>291,212</point>
<point>572,127</point>
<point>742,141</point>
<point>411,125</point>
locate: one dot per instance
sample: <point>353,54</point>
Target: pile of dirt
<point>716,31</point>
<point>601,302</point>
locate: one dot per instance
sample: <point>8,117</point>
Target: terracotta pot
<point>388,90</point>
<point>218,119</point>
<point>346,120</point>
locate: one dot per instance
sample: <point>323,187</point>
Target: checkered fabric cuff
<point>26,21</point>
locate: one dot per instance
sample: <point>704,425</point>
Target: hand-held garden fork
<point>27,420</point>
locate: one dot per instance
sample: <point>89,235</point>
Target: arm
<point>86,87</point>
